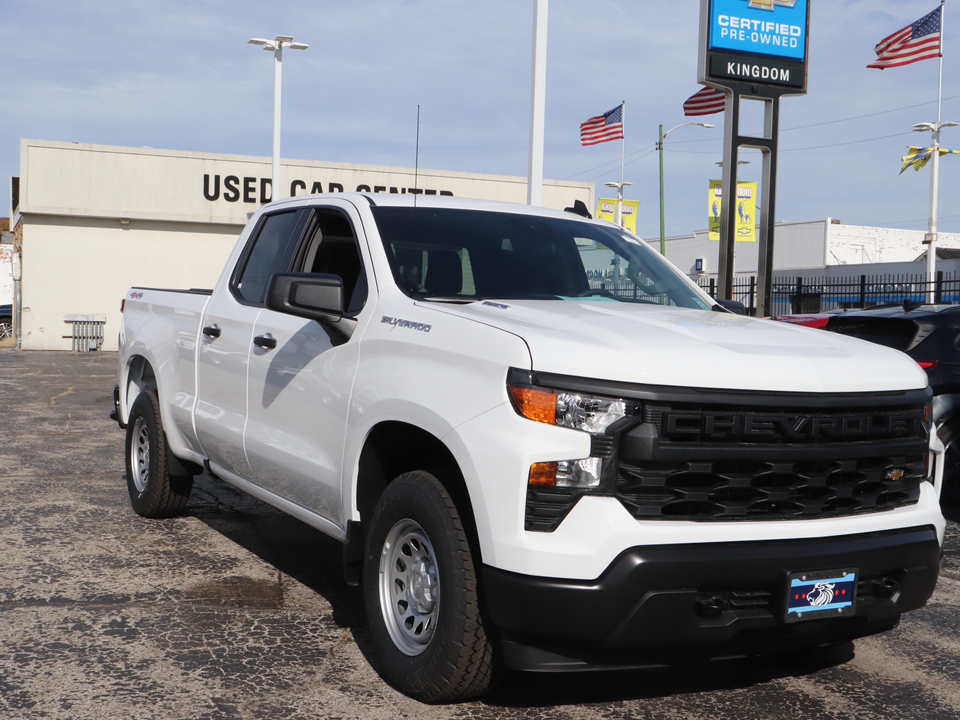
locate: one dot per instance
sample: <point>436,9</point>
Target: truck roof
<point>433,201</point>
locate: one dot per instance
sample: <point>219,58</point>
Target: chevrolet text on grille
<point>792,426</point>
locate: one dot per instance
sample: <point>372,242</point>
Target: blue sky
<point>180,75</point>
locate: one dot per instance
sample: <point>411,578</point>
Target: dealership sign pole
<point>753,49</point>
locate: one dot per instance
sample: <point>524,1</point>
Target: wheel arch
<point>391,449</point>
<point>139,377</point>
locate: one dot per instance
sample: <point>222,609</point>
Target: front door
<point>301,375</point>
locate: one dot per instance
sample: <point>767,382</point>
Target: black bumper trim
<point>665,604</point>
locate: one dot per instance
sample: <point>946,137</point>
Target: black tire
<point>154,491</point>
<point>949,435</point>
<point>421,597</point>
<point>6,327</point>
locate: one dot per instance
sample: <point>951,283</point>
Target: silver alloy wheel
<point>140,454</point>
<point>409,587</point>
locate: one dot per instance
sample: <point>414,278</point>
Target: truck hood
<point>658,345</point>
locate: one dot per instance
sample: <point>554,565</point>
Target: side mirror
<point>307,295</point>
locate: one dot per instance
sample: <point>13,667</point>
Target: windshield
<point>468,255</point>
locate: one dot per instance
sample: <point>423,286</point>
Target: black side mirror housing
<point>307,295</point>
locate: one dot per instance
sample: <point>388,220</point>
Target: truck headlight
<point>578,411</point>
<point>573,410</point>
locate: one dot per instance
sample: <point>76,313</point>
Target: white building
<point>94,220</point>
<point>808,244</point>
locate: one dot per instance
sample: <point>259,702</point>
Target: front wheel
<point>154,491</point>
<point>420,592</point>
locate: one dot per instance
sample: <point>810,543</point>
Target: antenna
<point>418,263</point>
<point>416,161</point>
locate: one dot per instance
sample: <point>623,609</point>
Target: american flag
<point>603,128</point>
<point>706,101</point>
<point>918,41</point>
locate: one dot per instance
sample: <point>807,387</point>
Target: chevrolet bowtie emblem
<point>894,474</point>
<point>771,4</point>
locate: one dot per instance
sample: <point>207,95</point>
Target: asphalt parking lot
<point>238,611</point>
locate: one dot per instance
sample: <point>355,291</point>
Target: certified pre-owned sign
<point>764,27</point>
<point>763,42</point>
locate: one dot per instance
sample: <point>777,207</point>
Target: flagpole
<point>935,178</point>
<point>623,145</point>
<point>943,12</point>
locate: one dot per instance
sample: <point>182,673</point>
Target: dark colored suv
<point>930,334</point>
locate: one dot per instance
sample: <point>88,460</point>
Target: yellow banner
<point>607,210</point>
<point>746,210</point>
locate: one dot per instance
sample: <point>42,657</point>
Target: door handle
<point>211,331</point>
<point>265,341</point>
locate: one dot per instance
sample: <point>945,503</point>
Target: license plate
<point>821,594</point>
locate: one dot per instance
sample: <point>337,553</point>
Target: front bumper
<point>667,604</point>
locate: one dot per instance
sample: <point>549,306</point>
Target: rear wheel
<point>154,491</point>
<point>420,592</point>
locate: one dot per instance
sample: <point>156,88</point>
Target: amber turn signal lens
<point>543,474</point>
<point>534,403</point>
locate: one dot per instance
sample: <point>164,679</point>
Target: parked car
<point>6,321</point>
<point>819,320</point>
<point>930,334</point>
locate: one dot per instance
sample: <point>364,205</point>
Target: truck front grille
<point>756,490</point>
<point>763,457</point>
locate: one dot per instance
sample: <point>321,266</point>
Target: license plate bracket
<point>819,594</point>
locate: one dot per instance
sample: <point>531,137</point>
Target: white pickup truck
<point>528,471</point>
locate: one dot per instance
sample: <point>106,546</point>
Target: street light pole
<point>277,46</point>
<point>663,136</point>
<point>616,258</point>
<point>931,238</point>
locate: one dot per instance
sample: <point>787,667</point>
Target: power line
<point>851,142</point>
<point>798,127</point>
<point>923,220</point>
<point>613,163</point>
<point>812,147</point>
<point>832,122</point>
<point>860,117</point>
<point>596,177</point>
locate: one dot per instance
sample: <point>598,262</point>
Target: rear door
<point>301,373</point>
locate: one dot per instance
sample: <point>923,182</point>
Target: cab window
<point>270,251</point>
<point>330,247</point>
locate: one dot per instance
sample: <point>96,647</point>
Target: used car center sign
<point>760,42</point>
